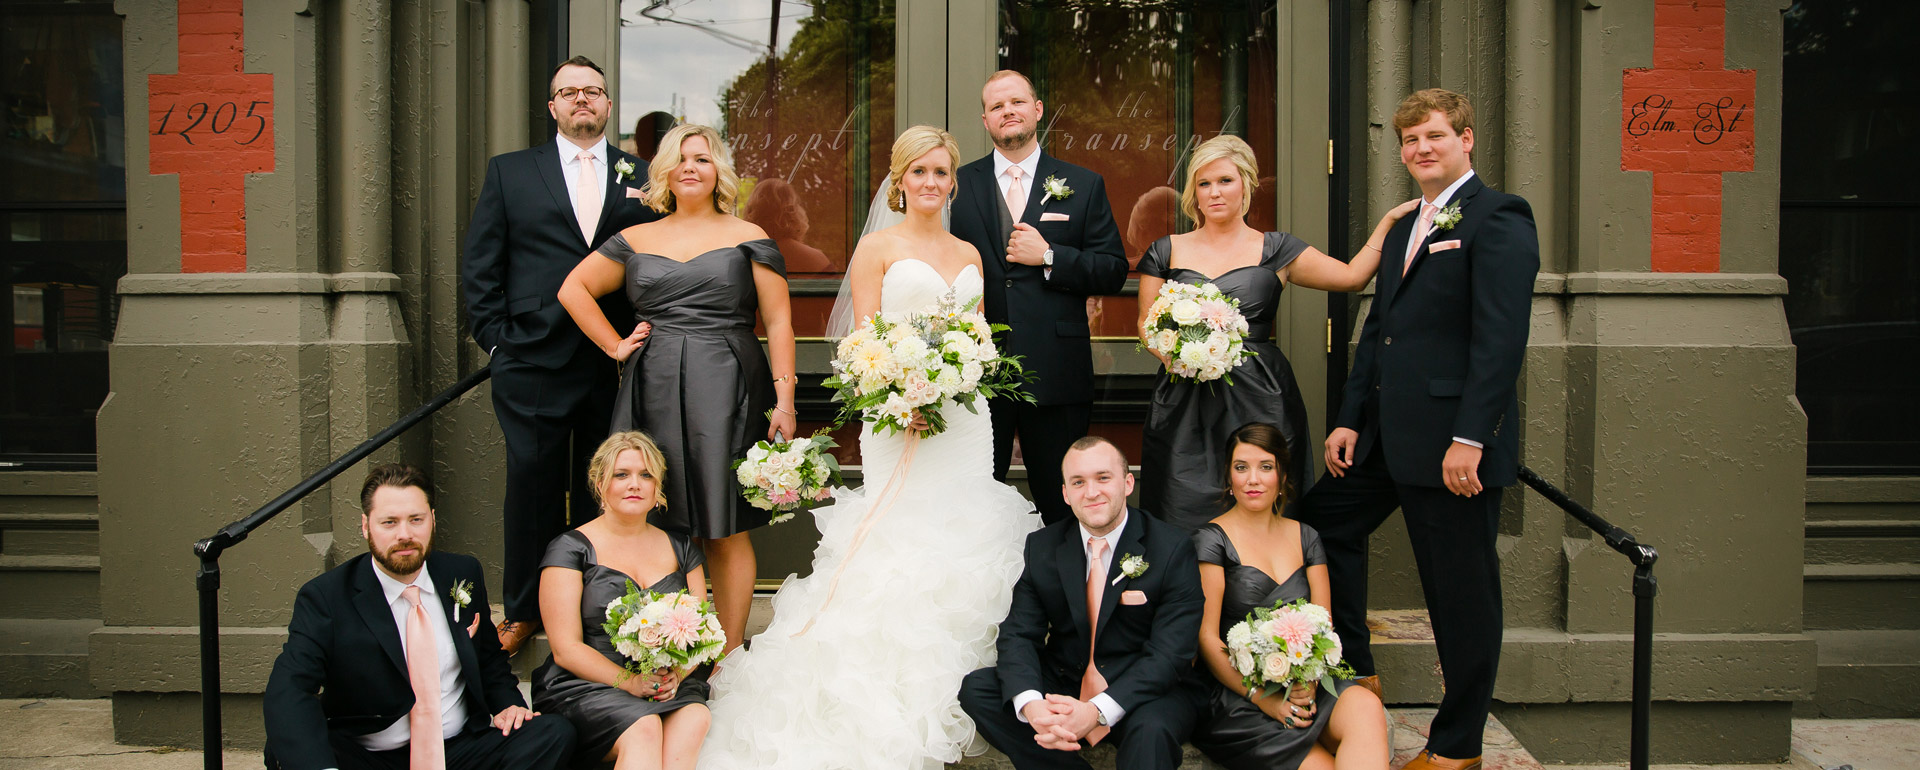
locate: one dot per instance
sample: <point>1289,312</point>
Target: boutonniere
<point>622,171</point>
<point>1056,189</point>
<point>1447,218</point>
<point>462,594</point>
<point>1131,566</point>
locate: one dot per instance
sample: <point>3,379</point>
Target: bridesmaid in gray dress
<point>695,378</point>
<point>1180,461</point>
<point>657,720</point>
<point>1241,553</point>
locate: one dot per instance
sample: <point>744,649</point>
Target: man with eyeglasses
<point>542,210</point>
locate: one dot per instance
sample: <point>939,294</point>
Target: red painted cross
<point>211,124</point>
<point>1687,119</point>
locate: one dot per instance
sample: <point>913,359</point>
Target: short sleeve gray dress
<point>700,386</point>
<point>1234,732</point>
<point>600,713</point>
<point>1183,450</point>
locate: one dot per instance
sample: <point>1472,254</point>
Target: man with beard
<point>541,211</point>
<point>1047,242</point>
<point>391,659</point>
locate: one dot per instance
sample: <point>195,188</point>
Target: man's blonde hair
<point>658,192</point>
<point>912,144</point>
<point>1226,146</point>
<point>600,468</point>
<point>1414,109</point>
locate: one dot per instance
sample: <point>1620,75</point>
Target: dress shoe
<point>1427,760</point>
<point>1372,683</point>
<point>515,633</point>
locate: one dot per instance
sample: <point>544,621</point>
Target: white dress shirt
<point>1440,203</point>
<point>570,166</point>
<point>1104,702</point>
<point>1027,169</point>
<point>453,711</point>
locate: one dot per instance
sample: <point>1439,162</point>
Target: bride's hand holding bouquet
<point>901,369</point>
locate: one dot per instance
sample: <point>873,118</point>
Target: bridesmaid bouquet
<point>1280,646</point>
<point>656,631</point>
<point>788,476</point>
<point>1199,329</point>
<point>907,365</point>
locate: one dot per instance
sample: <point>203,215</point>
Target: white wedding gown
<point>873,682</point>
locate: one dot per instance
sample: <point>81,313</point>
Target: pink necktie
<point>426,749</point>
<point>587,196</point>
<point>1092,683</point>
<point>1418,236</point>
<point>1016,193</point>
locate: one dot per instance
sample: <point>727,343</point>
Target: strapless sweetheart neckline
<point>936,271</point>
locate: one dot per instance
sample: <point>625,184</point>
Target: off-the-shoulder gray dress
<point>1183,453</point>
<point>600,713</point>
<point>700,385</point>
<point>1236,733</point>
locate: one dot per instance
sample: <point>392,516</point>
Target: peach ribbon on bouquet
<point>882,503</point>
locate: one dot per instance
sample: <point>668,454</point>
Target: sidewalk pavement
<point>78,735</point>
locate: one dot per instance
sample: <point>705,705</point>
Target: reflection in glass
<point>63,138</point>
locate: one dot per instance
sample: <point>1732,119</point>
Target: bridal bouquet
<point>656,631</point>
<point>907,365</point>
<point>1288,643</point>
<point>788,476</point>
<point>1199,329</point>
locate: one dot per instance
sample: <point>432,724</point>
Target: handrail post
<point>207,580</point>
<point>1645,587</point>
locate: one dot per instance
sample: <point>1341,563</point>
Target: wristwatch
<point>1047,258</point>
<point>1100,717</point>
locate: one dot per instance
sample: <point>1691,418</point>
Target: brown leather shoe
<point>1372,683</point>
<point>1427,760</point>
<point>515,633</point>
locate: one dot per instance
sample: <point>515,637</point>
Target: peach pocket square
<point>1053,217</point>
<point>1133,598</point>
<point>634,192</point>
<point>1443,246</point>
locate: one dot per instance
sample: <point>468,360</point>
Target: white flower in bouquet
<point>1276,667</point>
<point>1185,312</point>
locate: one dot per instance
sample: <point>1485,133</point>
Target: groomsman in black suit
<point>397,644</point>
<point>1430,419</point>
<point>1067,679</point>
<point>1047,241</point>
<point>541,211</point>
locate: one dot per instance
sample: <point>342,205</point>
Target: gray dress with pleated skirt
<point>1235,732</point>
<point>600,712</point>
<point>1183,452</point>
<point>700,386</point>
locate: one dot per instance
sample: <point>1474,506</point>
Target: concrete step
<point>60,587</point>
<point>46,659</point>
<point>1865,675</point>
<point>49,534</point>
<point>1863,541</point>
<point>1861,597</point>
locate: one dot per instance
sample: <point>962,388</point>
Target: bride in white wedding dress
<point>863,661</point>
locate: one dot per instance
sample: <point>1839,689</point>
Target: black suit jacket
<point>524,240</point>
<point>1048,315</point>
<point>343,669</point>
<point>1143,650</point>
<point>1440,352</point>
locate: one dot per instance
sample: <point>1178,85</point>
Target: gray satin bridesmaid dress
<point>700,386</point>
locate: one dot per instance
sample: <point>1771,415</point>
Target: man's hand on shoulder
<point>510,718</point>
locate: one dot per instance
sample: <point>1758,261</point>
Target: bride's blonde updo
<point>913,143</point>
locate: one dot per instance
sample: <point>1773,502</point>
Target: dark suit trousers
<point>542,743</point>
<point>1149,737</point>
<point>552,419</point>
<point>1453,547</point>
<point>1045,432</point>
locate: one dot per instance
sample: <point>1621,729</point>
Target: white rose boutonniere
<point>623,171</point>
<point>1056,189</point>
<point>1447,218</point>
<point>462,594</point>
<point>1131,566</point>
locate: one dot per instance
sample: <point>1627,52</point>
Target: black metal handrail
<point>1644,589</point>
<point>207,580</point>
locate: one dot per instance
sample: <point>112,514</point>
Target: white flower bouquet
<point>1277,647</point>
<point>788,476</point>
<point>1199,330</point>
<point>660,631</point>
<point>903,366</point>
